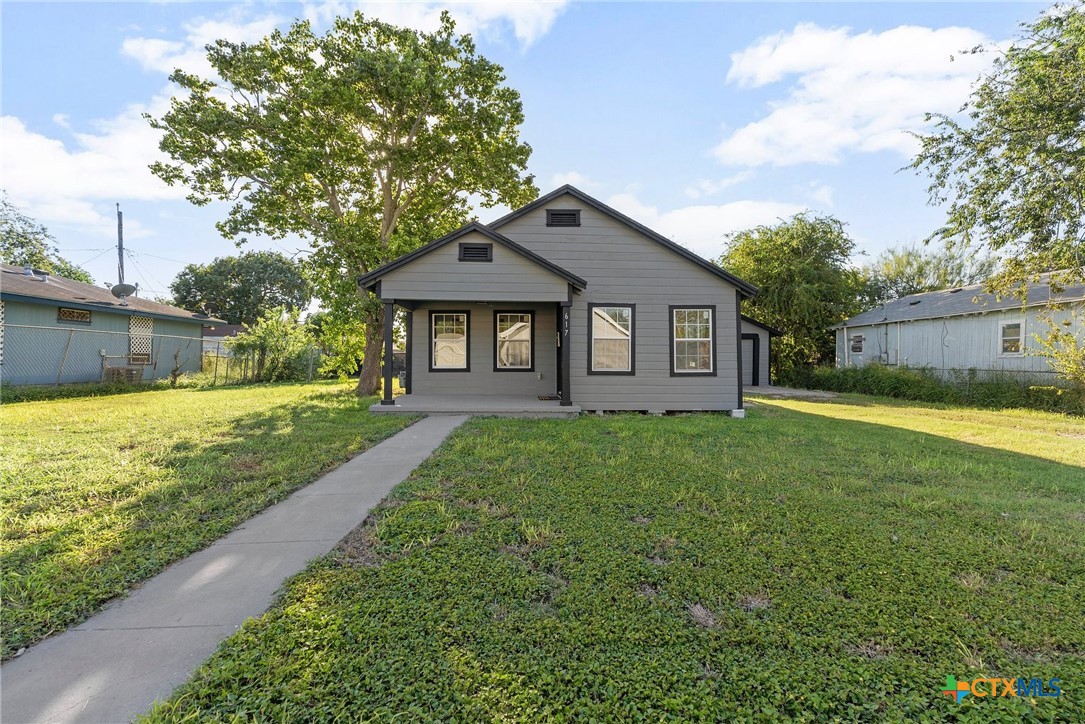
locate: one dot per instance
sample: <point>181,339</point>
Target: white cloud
<point>822,193</point>
<point>73,184</point>
<point>190,54</point>
<point>850,92</point>
<point>701,228</point>
<point>528,21</point>
<point>711,187</point>
<point>573,178</point>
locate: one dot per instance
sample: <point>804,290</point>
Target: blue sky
<point>694,118</point>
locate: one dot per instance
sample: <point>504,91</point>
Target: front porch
<point>487,405</point>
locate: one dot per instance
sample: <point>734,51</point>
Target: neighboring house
<point>957,329</point>
<point>215,336</point>
<point>55,330</point>
<point>570,299</point>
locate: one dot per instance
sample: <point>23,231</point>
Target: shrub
<point>281,347</point>
<point>991,389</point>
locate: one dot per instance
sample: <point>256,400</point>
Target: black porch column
<point>566,341</point>
<point>389,352</point>
<point>409,351</point>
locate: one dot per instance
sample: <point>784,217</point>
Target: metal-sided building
<point>55,331</point>
<point>960,329</point>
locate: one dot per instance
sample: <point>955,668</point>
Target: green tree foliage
<point>801,266</point>
<point>241,289</point>
<point>1013,168</point>
<point>25,241</point>
<point>280,346</point>
<point>366,141</point>
<point>900,271</point>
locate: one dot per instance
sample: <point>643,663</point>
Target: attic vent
<point>476,252</point>
<point>954,291</point>
<point>563,217</point>
<point>912,304</point>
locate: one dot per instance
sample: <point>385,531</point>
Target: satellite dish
<point>120,291</point>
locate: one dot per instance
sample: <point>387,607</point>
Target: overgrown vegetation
<point>98,494</point>
<point>281,348</point>
<point>625,568</point>
<point>999,390</point>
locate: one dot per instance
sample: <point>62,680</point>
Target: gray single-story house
<point>55,330</point>
<point>964,328</point>
<point>567,305</point>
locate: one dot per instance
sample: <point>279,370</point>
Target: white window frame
<point>710,339</point>
<point>1020,337</point>
<point>433,366</point>
<point>629,338</point>
<point>530,366</point>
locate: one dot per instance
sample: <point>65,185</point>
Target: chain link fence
<point>36,355</point>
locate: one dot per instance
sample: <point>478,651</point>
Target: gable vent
<point>476,252</point>
<point>563,217</point>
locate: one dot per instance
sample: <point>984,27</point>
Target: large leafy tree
<point>25,241</point>
<point>807,285</point>
<point>900,271</point>
<point>242,289</point>
<point>1011,165</point>
<point>366,141</point>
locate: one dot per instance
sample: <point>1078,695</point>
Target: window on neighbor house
<point>448,341</point>
<point>1011,338</point>
<point>691,340</point>
<point>513,344</point>
<point>612,339</point>
<point>857,344</point>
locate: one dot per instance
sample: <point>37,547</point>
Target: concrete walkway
<point>787,393</point>
<point>118,663</point>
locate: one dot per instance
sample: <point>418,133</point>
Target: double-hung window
<point>1012,338</point>
<point>693,341</point>
<point>611,339</point>
<point>514,333</point>
<point>449,339</point>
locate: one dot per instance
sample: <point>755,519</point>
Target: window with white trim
<point>513,343</point>
<point>691,337</point>
<point>140,334</point>
<point>612,339</point>
<point>1012,338</point>
<point>448,340</point>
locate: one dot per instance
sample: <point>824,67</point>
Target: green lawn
<point>815,560</point>
<point>99,493</point>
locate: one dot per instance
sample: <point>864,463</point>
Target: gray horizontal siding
<point>623,266</point>
<point>482,379</point>
<point>440,275</point>
<point>763,350</point>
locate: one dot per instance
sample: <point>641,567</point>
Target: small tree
<point>279,345</point>
<point>898,272</point>
<point>807,286</point>
<point>24,241</point>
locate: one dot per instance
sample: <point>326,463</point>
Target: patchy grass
<point>799,563</point>
<point>100,493</point>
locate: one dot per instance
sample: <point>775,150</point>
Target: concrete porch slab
<point>488,406</point>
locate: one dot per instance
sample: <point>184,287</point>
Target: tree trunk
<point>369,381</point>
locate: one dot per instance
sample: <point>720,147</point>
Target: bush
<point>991,389</point>
<point>281,347</point>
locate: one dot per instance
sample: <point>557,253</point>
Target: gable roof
<point>747,288</point>
<point>773,332</point>
<point>961,301</point>
<point>17,286</point>
<point>369,280</point>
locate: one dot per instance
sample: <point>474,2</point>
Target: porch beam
<point>408,352</point>
<point>389,351</point>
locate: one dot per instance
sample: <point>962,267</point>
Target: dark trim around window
<point>488,247</point>
<point>530,313</point>
<point>562,217</point>
<point>632,371</point>
<point>429,339</point>
<point>715,333</point>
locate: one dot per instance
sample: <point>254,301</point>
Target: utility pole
<point>120,245</point>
